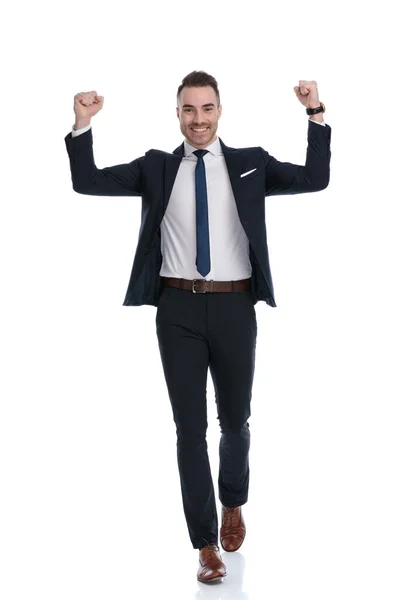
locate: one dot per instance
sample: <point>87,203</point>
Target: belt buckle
<point>193,284</point>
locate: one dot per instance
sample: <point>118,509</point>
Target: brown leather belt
<point>202,285</point>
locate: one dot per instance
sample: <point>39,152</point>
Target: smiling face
<point>198,113</point>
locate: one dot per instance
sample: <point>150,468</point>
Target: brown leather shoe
<point>233,528</point>
<point>211,566</point>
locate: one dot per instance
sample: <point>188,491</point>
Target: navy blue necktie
<point>202,233</point>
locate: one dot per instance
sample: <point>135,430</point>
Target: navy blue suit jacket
<point>152,176</point>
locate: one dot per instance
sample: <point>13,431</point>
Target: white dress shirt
<point>229,244</point>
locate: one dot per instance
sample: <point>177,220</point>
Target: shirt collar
<point>214,148</point>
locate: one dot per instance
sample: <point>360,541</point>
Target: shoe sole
<point>213,580</point>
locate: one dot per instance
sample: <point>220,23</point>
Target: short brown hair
<point>199,79</point>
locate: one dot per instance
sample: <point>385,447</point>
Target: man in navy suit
<point>202,260</point>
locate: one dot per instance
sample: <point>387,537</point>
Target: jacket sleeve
<point>288,178</point>
<point>118,180</point>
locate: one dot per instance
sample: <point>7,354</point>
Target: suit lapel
<point>233,162</point>
<point>172,162</point>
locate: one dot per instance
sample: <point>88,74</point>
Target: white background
<point>90,503</point>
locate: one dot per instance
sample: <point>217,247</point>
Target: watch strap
<point>318,109</point>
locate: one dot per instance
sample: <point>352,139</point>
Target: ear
<point>177,112</point>
<point>219,110</point>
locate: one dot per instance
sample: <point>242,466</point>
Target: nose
<point>198,119</point>
<point>199,122</point>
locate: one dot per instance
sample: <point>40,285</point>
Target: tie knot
<point>200,153</point>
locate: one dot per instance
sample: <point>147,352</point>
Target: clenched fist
<point>87,104</point>
<point>307,93</point>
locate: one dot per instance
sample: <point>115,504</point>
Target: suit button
<point>147,250</point>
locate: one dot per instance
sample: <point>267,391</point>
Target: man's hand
<point>87,104</point>
<point>307,93</point>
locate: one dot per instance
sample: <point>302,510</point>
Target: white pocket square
<point>248,172</point>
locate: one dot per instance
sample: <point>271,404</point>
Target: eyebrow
<point>204,105</point>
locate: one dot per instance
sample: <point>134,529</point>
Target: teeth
<point>203,129</point>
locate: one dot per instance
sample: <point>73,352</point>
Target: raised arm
<point>118,180</point>
<point>288,178</point>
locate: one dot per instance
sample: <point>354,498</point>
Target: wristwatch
<point>314,111</point>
